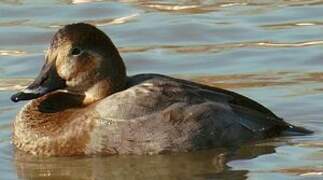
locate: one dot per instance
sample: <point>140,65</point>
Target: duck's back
<point>158,113</point>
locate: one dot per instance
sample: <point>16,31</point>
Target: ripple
<point>84,1</point>
<point>193,7</point>
<point>259,80</point>
<point>248,30</point>
<point>292,25</point>
<point>121,20</point>
<point>303,171</point>
<point>13,23</point>
<point>237,81</point>
<point>305,3</point>
<point>220,47</point>
<point>296,44</point>
<point>7,126</point>
<point>199,6</point>
<point>12,53</point>
<point>13,84</point>
<point>171,7</point>
<point>11,2</point>
<point>97,22</point>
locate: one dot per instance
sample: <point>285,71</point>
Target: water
<point>271,51</point>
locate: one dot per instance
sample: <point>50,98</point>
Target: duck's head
<point>81,59</point>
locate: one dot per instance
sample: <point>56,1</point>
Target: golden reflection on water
<point>83,1</point>
<point>105,22</point>
<point>12,53</point>
<point>292,25</point>
<point>13,84</point>
<point>236,81</point>
<point>170,7</point>
<point>244,81</point>
<point>193,7</point>
<point>13,22</point>
<point>303,171</point>
<point>212,48</point>
<point>98,22</point>
<point>158,28</point>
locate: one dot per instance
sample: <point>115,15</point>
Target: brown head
<point>82,60</point>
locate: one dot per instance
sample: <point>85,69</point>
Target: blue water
<point>271,51</point>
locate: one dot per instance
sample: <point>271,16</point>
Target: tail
<point>296,131</point>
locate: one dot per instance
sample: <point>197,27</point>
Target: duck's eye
<point>76,51</point>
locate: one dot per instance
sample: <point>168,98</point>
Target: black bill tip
<point>15,97</point>
<point>20,96</point>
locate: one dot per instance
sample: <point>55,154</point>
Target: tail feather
<point>296,131</point>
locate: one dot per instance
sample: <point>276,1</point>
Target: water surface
<point>271,51</point>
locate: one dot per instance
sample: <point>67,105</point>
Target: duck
<point>84,103</point>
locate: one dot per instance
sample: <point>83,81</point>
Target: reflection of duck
<point>102,111</point>
<point>209,164</point>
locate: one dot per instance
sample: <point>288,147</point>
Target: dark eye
<point>76,51</point>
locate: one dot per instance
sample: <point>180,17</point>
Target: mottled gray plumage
<point>157,113</point>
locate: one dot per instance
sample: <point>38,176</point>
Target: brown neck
<point>112,80</point>
<point>119,77</point>
<point>102,89</point>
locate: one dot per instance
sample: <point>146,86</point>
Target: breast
<point>54,125</point>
